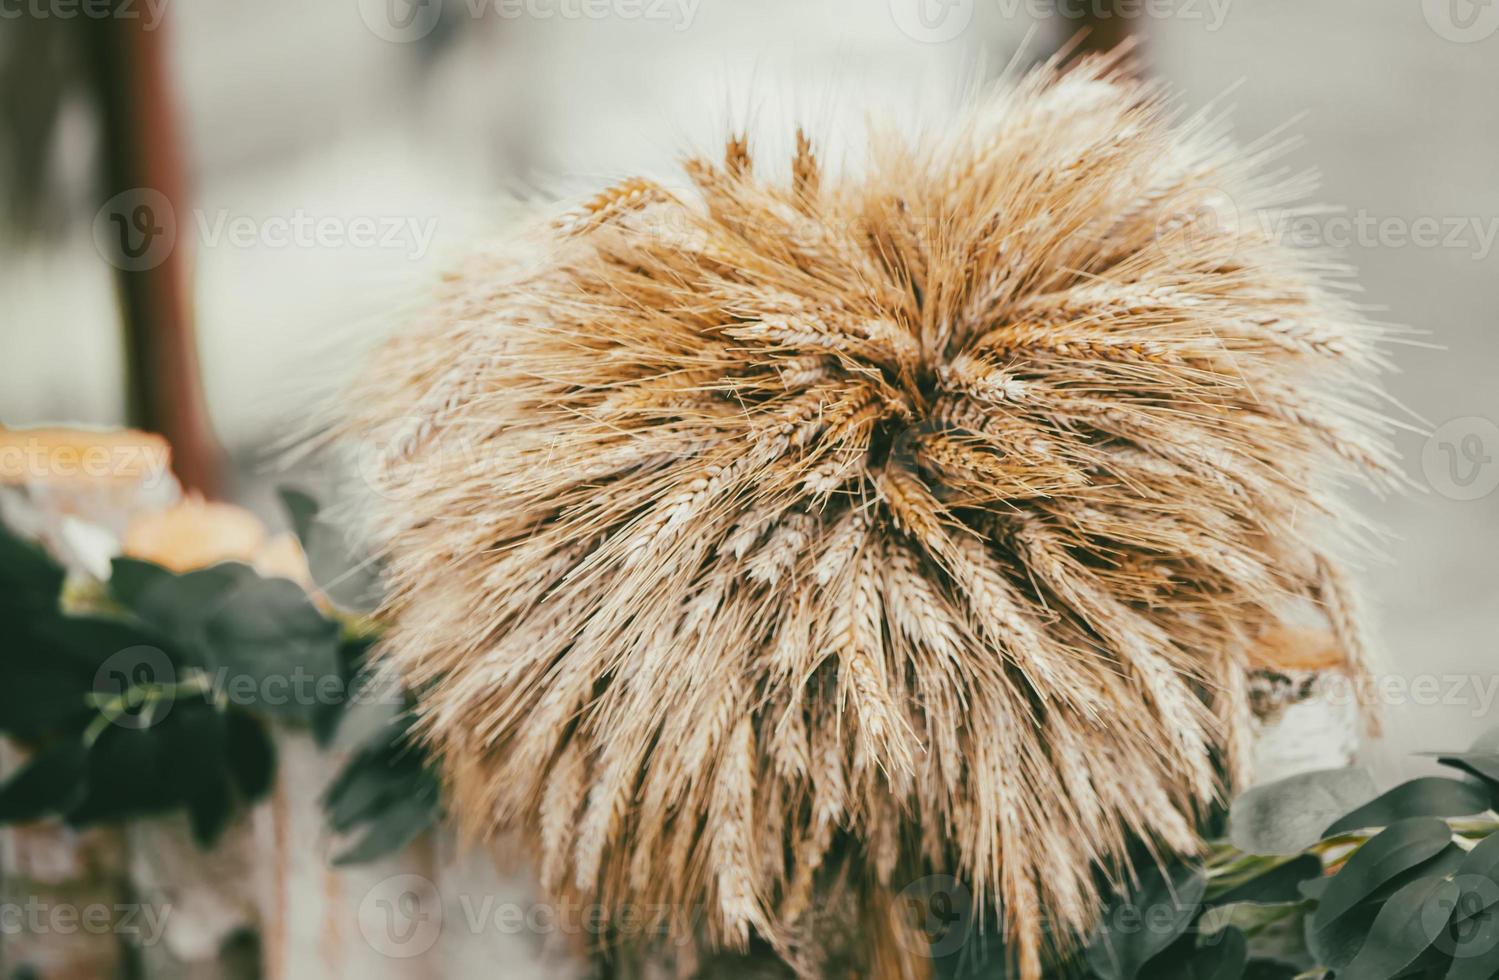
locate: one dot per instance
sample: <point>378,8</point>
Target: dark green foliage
<point>162,703</point>
<point>1400,885</point>
<point>1429,796</point>
<point>387,794</point>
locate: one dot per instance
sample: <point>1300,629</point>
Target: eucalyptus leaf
<point>1401,846</point>
<point>361,790</point>
<point>1472,934</point>
<point>1444,864</point>
<point>1314,888</point>
<point>1484,765</point>
<point>1428,796</point>
<point>388,788</point>
<point>397,826</point>
<point>1288,816</point>
<point>1406,926</point>
<point>1223,955</point>
<point>1280,884</point>
<point>1474,948</point>
<point>1248,916</point>
<point>1335,944</point>
<point>1137,927</point>
<point>1479,873</point>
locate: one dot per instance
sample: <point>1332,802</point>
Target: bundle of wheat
<point>773,535</point>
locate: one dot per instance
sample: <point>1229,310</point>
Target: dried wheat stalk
<point>774,535</point>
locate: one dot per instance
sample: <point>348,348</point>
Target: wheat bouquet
<point>789,534</point>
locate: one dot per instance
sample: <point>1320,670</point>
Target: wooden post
<point>1106,23</point>
<point>144,224</point>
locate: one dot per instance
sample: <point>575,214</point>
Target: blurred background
<point>325,161</point>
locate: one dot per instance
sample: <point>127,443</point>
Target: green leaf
<point>1406,926</point>
<point>1480,867</point>
<point>1136,928</point>
<point>1428,796</point>
<point>251,754</point>
<point>1472,935</point>
<point>347,578</point>
<point>1314,888</point>
<point>1335,944</point>
<point>1288,816</point>
<point>352,662</point>
<point>397,826</point>
<point>40,696</point>
<point>1484,765</point>
<point>1443,865</point>
<point>48,782</point>
<point>388,767</point>
<point>89,641</point>
<point>1248,916</point>
<point>1474,947</point>
<point>1279,884</point>
<point>177,606</point>
<point>129,772</point>
<point>133,582</point>
<point>52,662</point>
<point>197,737</point>
<point>1403,845</point>
<point>388,788</point>
<point>29,577</point>
<point>302,508</point>
<point>275,651</point>
<point>359,791</point>
<point>1220,956</point>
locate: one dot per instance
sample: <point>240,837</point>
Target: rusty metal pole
<point>143,227</point>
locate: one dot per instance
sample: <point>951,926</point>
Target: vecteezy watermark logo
<point>1460,919</point>
<point>401,916</point>
<point>35,916</point>
<point>301,229</point>
<point>136,229</point>
<point>1471,233</point>
<point>1194,220</point>
<point>400,20</point>
<point>149,11</point>
<point>1458,459</point>
<point>1477,693</point>
<point>932,21</point>
<point>411,20</point>
<point>135,687</point>
<point>1463,21</point>
<point>941,907</point>
<point>31,459</point>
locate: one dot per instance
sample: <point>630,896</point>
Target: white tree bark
<point>65,897</point>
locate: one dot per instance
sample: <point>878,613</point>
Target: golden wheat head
<point>803,531</point>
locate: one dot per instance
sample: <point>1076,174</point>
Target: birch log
<point>64,896</point>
